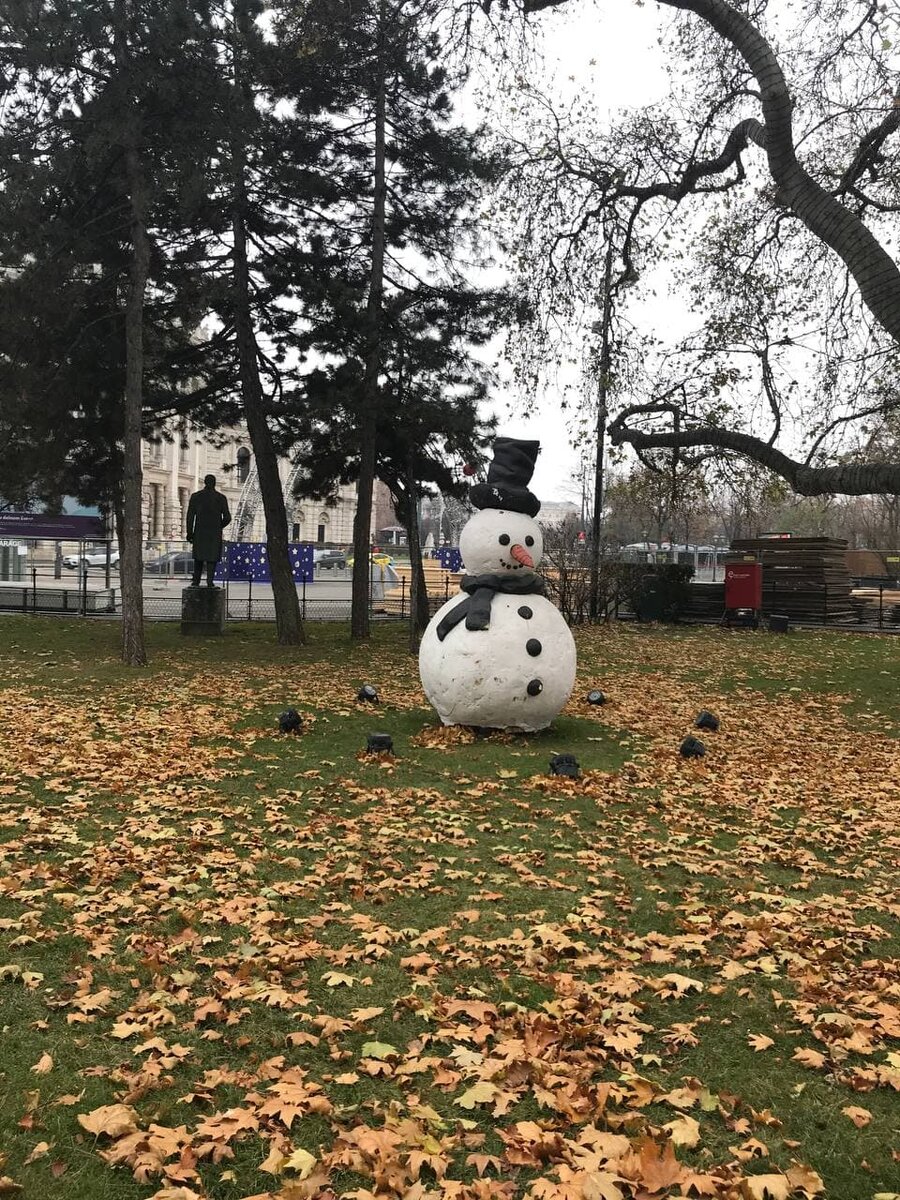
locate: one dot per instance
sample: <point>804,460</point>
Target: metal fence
<point>82,579</point>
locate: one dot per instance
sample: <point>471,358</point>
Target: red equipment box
<point>743,586</point>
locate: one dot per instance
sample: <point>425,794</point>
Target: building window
<point>295,532</point>
<point>243,464</point>
<point>320,534</point>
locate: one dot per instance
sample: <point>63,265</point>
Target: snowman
<point>500,656</point>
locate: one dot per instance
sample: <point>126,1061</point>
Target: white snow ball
<point>517,674</point>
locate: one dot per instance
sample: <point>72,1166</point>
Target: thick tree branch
<point>874,271</point>
<point>850,479</point>
<point>868,154</point>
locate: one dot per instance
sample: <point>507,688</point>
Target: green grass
<point>163,841</point>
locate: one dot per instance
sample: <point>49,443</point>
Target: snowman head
<point>498,542</point>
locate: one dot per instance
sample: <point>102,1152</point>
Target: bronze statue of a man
<point>207,516</point>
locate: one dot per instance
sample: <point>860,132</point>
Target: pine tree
<point>428,423</point>
<point>411,179</point>
<point>95,314</point>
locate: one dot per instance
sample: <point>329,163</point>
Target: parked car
<point>176,562</point>
<point>330,560</point>
<point>94,557</point>
<point>379,558</point>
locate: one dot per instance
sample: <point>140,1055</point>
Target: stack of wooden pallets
<point>706,602</point>
<point>805,578</point>
<point>441,585</point>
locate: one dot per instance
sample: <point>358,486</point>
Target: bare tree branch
<point>851,479</point>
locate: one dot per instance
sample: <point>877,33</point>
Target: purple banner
<point>39,525</point>
<point>450,558</point>
<point>250,560</point>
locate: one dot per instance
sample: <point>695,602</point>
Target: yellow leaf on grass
<point>365,1014</point>
<point>759,1041</point>
<point>805,1178</point>
<point>766,1187</point>
<point>809,1058</point>
<point>273,1163</point>
<point>302,1162</point>
<point>111,1119</point>
<point>39,1151</point>
<point>681,984</point>
<point>859,1116</point>
<point>379,1050</point>
<point>174,1192</point>
<point>44,1064</point>
<point>336,978</point>
<point>684,1131</point>
<point>480,1093</point>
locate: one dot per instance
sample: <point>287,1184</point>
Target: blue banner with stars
<point>450,558</point>
<point>250,561</point>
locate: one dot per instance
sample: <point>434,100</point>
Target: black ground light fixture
<point>706,720</point>
<point>596,697</point>
<point>692,747</point>
<point>290,721</point>
<point>368,694</point>
<point>564,764</point>
<point>379,743</point>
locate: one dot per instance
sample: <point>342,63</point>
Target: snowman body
<point>518,672</point>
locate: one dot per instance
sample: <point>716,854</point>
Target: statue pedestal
<point>202,612</point>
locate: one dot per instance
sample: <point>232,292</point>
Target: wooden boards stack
<point>867,564</point>
<point>706,602</point>
<point>805,578</point>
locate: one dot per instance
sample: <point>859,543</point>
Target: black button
<point>525,612</point>
<point>535,688</point>
<point>503,539</point>
<point>534,647</point>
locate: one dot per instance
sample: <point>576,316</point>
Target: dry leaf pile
<point>492,988</point>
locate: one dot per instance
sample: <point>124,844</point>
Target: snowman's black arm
<point>476,606</point>
<point>451,619</point>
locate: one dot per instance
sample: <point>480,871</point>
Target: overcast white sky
<point>610,53</point>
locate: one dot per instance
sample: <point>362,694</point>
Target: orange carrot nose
<point>521,555</point>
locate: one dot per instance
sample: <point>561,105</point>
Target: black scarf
<point>476,606</point>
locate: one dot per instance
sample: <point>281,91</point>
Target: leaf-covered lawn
<point>235,964</point>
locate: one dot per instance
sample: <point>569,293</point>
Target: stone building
<point>175,463</point>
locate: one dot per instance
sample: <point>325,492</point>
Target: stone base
<point>203,612</point>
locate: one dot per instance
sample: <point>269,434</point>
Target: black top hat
<point>509,474</point>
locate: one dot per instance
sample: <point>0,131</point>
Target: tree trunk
<point>602,410</point>
<point>418,588</point>
<point>362,521</point>
<point>288,623</point>
<point>131,566</point>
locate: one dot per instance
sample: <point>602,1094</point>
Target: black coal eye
<point>504,539</point>
<point>529,541</point>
